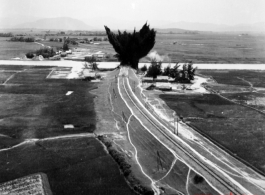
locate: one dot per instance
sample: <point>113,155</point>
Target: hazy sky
<point>205,11</point>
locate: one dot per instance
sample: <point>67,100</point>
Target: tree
<point>93,62</point>
<point>144,68</point>
<point>154,69</point>
<point>185,75</point>
<point>188,72</point>
<point>131,47</point>
<point>65,46</point>
<point>175,72</point>
<point>191,71</point>
<point>167,71</point>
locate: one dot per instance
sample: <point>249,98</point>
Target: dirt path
<point>250,84</point>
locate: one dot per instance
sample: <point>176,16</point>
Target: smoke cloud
<point>157,57</point>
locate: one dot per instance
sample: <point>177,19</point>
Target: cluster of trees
<point>184,75</point>
<point>45,52</point>
<point>100,39</point>
<point>92,62</point>
<point>131,47</point>
<point>56,39</point>
<point>22,39</point>
<point>70,41</point>
<point>6,35</point>
<point>86,33</point>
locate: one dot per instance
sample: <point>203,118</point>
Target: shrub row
<point>22,39</point>
<point>125,167</point>
<point>45,52</point>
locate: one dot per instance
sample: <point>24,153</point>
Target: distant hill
<point>174,30</point>
<point>62,23</point>
<point>257,27</point>
<point>13,20</point>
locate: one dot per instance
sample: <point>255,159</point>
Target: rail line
<point>212,173</point>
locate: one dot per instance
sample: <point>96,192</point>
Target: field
<point>200,48</point>
<point>73,166</point>
<point>242,86</point>
<point>34,112</point>
<point>212,48</point>
<point>10,50</point>
<point>203,48</point>
<point>247,78</point>
<point>237,128</point>
<point>36,107</point>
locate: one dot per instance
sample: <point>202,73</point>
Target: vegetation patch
<point>238,128</point>
<point>35,107</point>
<point>125,167</point>
<point>77,165</point>
<point>248,78</point>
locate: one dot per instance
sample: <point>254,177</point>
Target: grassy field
<point>248,78</point>
<point>200,48</point>
<point>36,107</point>
<point>204,48</point>
<point>10,50</point>
<point>51,43</point>
<point>238,128</point>
<point>253,99</point>
<point>212,48</point>
<point>73,166</point>
<point>242,86</point>
<point>33,107</point>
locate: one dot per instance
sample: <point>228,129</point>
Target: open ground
<point>200,48</point>
<point>44,128</point>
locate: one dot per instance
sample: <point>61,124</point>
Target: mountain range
<point>66,23</point>
<point>62,23</point>
<point>256,27</point>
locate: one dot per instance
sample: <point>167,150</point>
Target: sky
<point>229,12</point>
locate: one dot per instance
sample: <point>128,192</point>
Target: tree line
<point>183,75</point>
<point>45,52</point>
<point>6,35</point>
<point>22,39</point>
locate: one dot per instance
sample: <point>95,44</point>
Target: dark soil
<point>237,128</point>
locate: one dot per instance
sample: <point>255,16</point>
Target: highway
<point>196,158</point>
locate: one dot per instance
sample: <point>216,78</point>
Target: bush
<point>22,39</point>
<point>30,55</point>
<point>45,52</point>
<point>144,68</point>
<point>6,35</point>
<point>65,46</point>
<point>198,179</point>
<point>167,71</point>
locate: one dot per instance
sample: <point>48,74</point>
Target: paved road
<point>222,171</point>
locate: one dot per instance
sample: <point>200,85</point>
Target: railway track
<point>231,187</point>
